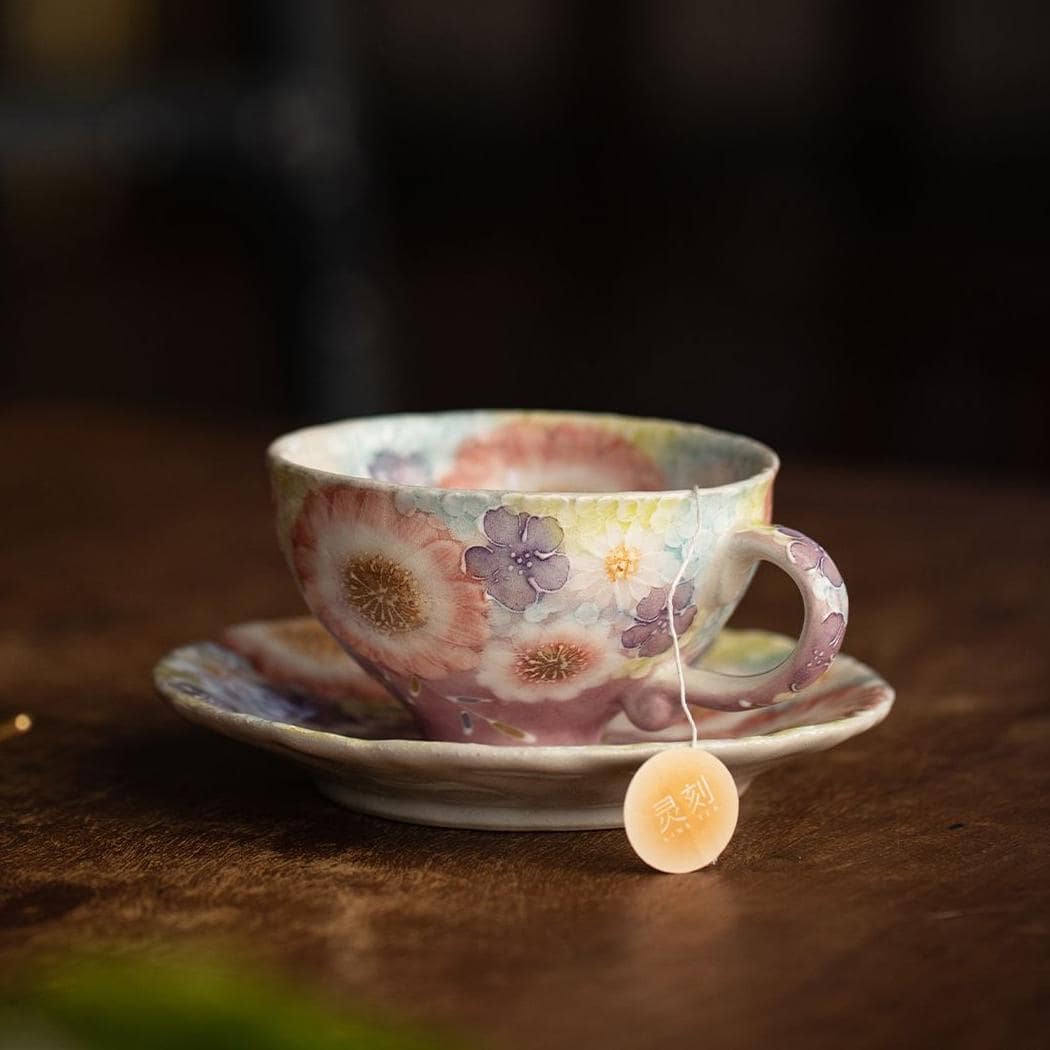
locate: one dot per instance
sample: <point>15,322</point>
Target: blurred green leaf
<point>146,1005</point>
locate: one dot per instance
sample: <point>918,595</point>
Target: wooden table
<point>894,892</point>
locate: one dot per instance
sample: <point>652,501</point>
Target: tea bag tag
<point>681,809</point>
<point>682,804</point>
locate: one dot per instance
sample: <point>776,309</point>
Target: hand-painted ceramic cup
<point>507,574</point>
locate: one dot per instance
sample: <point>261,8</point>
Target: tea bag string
<point>687,554</point>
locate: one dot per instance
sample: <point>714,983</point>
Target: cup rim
<point>277,454</point>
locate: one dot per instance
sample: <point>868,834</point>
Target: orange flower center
<point>551,662</point>
<point>384,593</point>
<point>621,562</point>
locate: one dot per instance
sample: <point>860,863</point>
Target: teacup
<point>507,575</point>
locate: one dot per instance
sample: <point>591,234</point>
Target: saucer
<point>285,686</point>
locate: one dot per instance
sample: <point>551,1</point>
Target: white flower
<point>547,662</point>
<point>617,564</point>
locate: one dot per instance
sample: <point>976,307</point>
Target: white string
<point>686,555</point>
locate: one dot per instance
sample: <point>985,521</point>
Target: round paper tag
<point>680,810</point>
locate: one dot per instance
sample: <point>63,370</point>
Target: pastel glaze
<point>523,561</point>
<point>313,705</point>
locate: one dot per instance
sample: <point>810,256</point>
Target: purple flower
<point>519,562</point>
<point>825,642</point>
<point>398,469</point>
<point>810,555</point>
<point>651,634</point>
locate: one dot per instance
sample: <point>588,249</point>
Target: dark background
<point>821,223</point>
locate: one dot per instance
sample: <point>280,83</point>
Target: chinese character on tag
<point>666,811</point>
<point>699,797</point>
<point>680,809</point>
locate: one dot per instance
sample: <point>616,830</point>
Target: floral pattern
<point>651,633</point>
<point>540,662</point>
<point>617,564</point>
<point>211,675</point>
<point>507,584</point>
<point>295,651</point>
<point>827,643</point>
<point>400,470</point>
<point>516,787</point>
<point>390,587</point>
<point>520,561</point>
<point>565,457</point>
<point>807,554</point>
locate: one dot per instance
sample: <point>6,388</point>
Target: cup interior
<point>528,452</point>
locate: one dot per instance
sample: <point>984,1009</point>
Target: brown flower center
<point>384,593</point>
<point>621,562</point>
<point>551,662</point>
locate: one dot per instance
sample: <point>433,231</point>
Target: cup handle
<point>656,706</point>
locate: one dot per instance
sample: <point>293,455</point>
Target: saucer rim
<point>756,747</point>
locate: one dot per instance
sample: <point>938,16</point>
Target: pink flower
<point>300,654</point>
<point>552,457</point>
<point>546,662</point>
<point>389,586</point>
